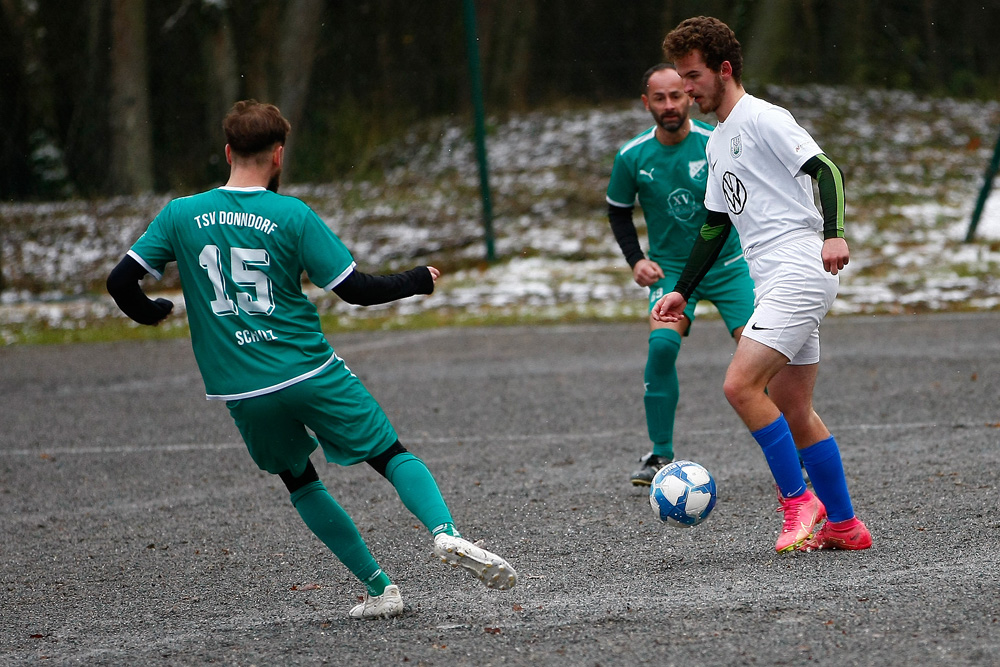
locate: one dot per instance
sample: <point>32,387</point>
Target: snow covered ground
<point>914,169</point>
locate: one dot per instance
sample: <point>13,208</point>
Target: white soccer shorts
<point>792,294</point>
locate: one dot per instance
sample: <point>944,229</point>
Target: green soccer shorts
<point>727,285</point>
<point>334,405</point>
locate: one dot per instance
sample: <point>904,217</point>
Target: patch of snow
<point>913,167</point>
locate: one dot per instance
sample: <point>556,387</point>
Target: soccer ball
<point>682,493</point>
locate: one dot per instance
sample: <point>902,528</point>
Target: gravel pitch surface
<point>136,530</point>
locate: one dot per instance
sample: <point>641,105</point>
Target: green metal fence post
<point>984,193</point>
<point>472,46</point>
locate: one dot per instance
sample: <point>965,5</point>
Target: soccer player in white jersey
<point>241,250</point>
<point>761,166</point>
<point>666,169</point>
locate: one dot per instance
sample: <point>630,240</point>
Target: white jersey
<point>754,159</point>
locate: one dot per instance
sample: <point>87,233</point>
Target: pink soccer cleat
<point>850,535</point>
<point>802,514</point>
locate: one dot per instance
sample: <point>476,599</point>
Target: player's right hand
<point>670,308</point>
<point>646,272</point>
<point>435,273</point>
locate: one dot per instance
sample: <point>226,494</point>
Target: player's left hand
<point>835,255</point>
<point>670,308</point>
<point>162,308</point>
<point>435,273</point>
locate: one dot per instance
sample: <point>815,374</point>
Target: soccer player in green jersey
<point>665,168</point>
<point>241,250</point>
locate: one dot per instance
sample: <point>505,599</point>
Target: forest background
<point>111,97</point>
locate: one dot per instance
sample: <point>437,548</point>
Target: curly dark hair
<point>713,38</point>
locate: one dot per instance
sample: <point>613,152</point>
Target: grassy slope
<point>913,169</point>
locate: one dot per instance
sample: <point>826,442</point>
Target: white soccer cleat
<point>489,568</point>
<point>387,605</point>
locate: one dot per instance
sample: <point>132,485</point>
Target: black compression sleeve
<point>308,476</point>
<point>705,251</point>
<point>363,289</point>
<point>831,193</point>
<point>123,286</point>
<point>381,462</point>
<point>624,230</point>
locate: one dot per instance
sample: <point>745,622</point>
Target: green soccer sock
<point>335,528</point>
<point>419,492</point>
<point>662,389</point>
<point>377,582</point>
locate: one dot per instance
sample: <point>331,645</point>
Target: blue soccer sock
<point>662,389</point>
<point>776,442</point>
<point>419,492</point>
<point>826,472</point>
<point>335,528</point>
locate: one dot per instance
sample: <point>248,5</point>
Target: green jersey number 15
<point>241,261</point>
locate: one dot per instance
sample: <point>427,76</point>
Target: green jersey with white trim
<point>241,253</point>
<point>669,182</point>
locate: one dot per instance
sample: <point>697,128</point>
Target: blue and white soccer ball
<point>682,493</point>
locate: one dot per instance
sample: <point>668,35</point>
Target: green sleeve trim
<point>705,251</point>
<point>709,233</point>
<point>831,193</point>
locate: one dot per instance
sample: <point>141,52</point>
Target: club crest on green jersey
<point>736,145</point>
<point>698,170</point>
<point>682,204</point>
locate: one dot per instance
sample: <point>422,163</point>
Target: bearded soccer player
<point>666,169</point>
<point>241,250</point>
<point>761,170</point>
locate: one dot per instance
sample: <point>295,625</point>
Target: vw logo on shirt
<point>735,192</point>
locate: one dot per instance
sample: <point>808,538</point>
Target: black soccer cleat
<point>651,464</point>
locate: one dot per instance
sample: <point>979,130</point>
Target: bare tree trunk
<point>811,41</point>
<point>31,123</point>
<point>933,51</point>
<point>16,85</point>
<point>382,94</point>
<point>512,50</point>
<point>299,36</point>
<point>223,80</point>
<point>131,134</point>
<point>858,31</point>
<point>258,70</point>
<point>764,45</point>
